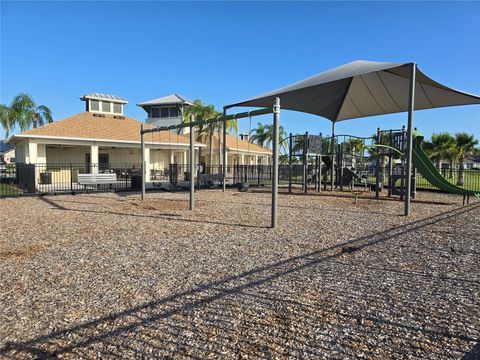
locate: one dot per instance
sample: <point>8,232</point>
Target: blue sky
<point>223,52</point>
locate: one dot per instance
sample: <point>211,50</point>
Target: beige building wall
<point>66,155</point>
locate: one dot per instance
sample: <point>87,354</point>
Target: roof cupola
<point>104,103</point>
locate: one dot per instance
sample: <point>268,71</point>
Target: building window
<point>164,112</point>
<point>117,108</point>
<point>155,112</point>
<point>174,112</point>
<point>105,106</point>
<point>94,105</point>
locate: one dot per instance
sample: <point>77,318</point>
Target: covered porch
<point>58,164</point>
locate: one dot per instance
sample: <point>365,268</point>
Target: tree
<point>25,113</point>
<point>259,134</point>
<point>263,135</point>
<point>442,147</point>
<point>202,111</point>
<point>5,119</point>
<point>354,146</point>
<point>465,147</point>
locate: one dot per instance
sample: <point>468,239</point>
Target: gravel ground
<point>105,275</point>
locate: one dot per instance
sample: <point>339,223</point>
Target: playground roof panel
<point>360,89</point>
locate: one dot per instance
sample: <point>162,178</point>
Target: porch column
<point>31,158</point>
<point>172,156</point>
<point>242,159</point>
<point>147,164</point>
<point>94,159</point>
<point>185,158</point>
<point>32,150</point>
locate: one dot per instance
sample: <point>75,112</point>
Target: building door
<point>103,162</point>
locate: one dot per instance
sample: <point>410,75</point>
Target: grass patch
<point>9,189</point>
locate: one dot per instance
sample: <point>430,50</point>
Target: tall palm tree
<point>442,147</point>
<point>202,111</point>
<point>465,147</point>
<point>24,112</point>
<point>259,134</point>
<point>263,135</point>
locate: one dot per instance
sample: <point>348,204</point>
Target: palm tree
<point>378,153</point>
<point>24,112</point>
<point>354,146</point>
<point>5,119</point>
<point>263,135</point>
<point>202,111</point>
<point>259,134</point>
<point>442,147</point>
<point>465,147</point>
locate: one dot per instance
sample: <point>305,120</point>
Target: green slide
<point>430,172</point>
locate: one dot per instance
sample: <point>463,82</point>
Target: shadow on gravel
<point>164,327</point>
<point>345,194</point>
<point>474,353</point>
<point>162,216</point>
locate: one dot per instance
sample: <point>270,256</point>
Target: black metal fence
<point>23,179</point>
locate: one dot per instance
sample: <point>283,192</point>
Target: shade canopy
<point>362,88</point>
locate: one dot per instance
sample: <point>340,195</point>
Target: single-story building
<point>7,153</point>
<point>472,162</point>
<point>99,139</point>
<point>103,139</point>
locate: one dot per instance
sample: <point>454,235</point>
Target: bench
<point>96,179</point>
<point>210,179</point>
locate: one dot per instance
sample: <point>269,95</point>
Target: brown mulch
<point>109,276</point>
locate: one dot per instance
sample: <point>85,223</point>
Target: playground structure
<point>355,90</point>
<point>374,163</point>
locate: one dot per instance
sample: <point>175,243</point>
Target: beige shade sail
<point>360,89</point>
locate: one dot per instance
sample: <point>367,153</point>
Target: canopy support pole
<point>192,164</point>
<point>320,164</point>
<point>224,151</point>
<point>411,107</point>
<point>290,150</point>
<point>276,119</point>
<point>332,169</point>
<point>142,140</point>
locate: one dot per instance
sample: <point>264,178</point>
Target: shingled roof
<point>113,128</point>
<point>235,143</point>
